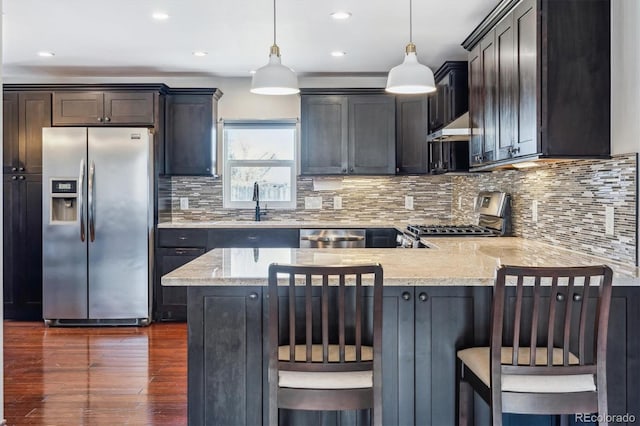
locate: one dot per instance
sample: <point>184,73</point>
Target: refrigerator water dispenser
<point>64,201</point>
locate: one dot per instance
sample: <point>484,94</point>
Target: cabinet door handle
<point>100,119</point>
<point>577,297</point>
<point>107,119</point>
<point>252,238</point>
<point>344,170</point>
<point>181,252</point>
<point>423,297</point>
<point>182,237</point>
<point>14,177</point>
<point>14,169</point>
<point>406,295</point>
<point>253,296</point>
<point>560,297</point>
<point>21,169</point>
<point>351,170</point>
<point>21,178</point>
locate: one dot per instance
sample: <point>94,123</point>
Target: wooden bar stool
<point>540,360</point>
<point>329,358</point>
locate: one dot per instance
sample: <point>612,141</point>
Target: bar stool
<point>329,355</point>
<point>553,369</point>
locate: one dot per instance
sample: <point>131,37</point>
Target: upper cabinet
<point>24,116</point>
<point>539,81</point>
<point>411,133</point>
<point>347,132</point>
<point>451,99</point>
<point>93,108</point>
<point>190,131</point>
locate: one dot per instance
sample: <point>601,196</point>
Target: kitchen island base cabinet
<point>422,329</point>
<point>225,374</point>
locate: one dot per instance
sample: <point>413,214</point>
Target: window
<point>262,152</point>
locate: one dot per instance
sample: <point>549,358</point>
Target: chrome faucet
<point>256,198</point>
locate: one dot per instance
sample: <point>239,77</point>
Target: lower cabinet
<point>225,383</point>
<point>171,302</point>
<point>423,327</point>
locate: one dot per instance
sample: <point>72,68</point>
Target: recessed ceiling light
<point>160,16</point>
<point>338,53</point>
<point>46,54</point>
<point>200,53</point>
<point>341,15</point>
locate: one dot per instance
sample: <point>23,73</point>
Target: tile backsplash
<point>364,198</point>
<point>571,197</point>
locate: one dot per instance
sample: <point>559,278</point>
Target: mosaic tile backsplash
<point>571,197</point>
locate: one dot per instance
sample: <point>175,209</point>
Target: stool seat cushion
<point>316,353</point>
<point>325,380</point>
<point>478,361</point>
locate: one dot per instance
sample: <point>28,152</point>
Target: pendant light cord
<point>274,22</point>
<point>410,21</point>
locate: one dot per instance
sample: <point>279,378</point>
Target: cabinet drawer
<point>221,238</point>
<point>182,237</point>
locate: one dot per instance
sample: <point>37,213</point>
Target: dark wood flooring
<point>95,376</point>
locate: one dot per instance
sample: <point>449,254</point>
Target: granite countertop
<point>449,261</point>
<point>248,224</point>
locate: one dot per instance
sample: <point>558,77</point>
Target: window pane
<point>260,143</point>
<point>274,182</point>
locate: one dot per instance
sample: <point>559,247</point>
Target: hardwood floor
<point>95,376</point>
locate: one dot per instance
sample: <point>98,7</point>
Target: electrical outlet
<point>534,211</point>
<point>408,202</point>
<point>337,203</point>
<point>608,220</point>
<point>184,203</point>
<point>314,203</point>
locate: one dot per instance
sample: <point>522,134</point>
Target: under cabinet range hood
<point>457,130</point>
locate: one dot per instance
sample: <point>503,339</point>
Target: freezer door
<point>118,223</point>
<point>64,253</point>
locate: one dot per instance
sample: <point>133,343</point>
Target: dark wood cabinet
<point>171,302</point>
<point>411,133</point>
<point>527,82</point>
<point>227,387</point>
<point>175,247</point>
<point>191,131</point>
<point>22,252</point>
<point>451,99</point>
<point>253,238</point>
<point>347,132</point>
<point>24,116</point>
<point>381,237</point>
<point>423,327</point>
<point>95,108</point>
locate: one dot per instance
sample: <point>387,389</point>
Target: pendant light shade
<point>410,76</point>
<point>274,78</point>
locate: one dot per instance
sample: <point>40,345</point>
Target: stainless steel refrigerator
<point>97,222</point>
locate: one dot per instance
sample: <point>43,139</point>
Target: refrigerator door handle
<point>81,199</point>
<point>91,196</point>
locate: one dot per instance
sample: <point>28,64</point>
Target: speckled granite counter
<point>449,262</point>
<point>247,224</point>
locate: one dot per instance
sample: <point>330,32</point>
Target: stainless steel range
<point>494,221</point>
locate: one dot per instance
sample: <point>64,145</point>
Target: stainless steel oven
<point>332,238</point>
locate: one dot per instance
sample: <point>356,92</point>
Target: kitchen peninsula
<point>436,300</point>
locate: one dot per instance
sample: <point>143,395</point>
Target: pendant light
<point>274,78</point>
<point>410,76</point>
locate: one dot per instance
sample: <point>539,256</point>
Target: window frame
<point>227,164</point>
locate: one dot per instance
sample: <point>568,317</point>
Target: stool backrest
<point>575,305</point>
<point>342,297</point>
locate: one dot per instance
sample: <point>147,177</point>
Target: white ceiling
<point>119,37</point>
